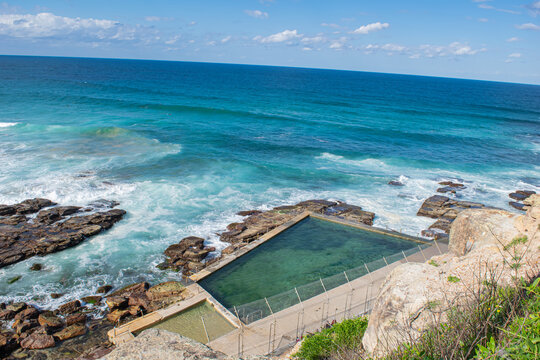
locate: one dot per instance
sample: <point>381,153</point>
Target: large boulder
<point>415,296</point>
<point>38,341</point>
<point>157,344</point>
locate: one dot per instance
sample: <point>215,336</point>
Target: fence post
<point>325,304</point>
<point>300,319</point>
<point>348,298</point>
<point>369,272</point>
<point>404,256</point>
<point>240,335</point>
<point>271,334</point>
<point>386,262</point>
<point>422,251</point>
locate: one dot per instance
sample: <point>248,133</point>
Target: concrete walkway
<point>285,327</point>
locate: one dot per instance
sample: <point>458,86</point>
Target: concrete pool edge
<point>124,333</point>
<point>227,259</point>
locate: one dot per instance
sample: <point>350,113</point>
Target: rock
<point>518,206</point>
<point>482,241</point>
<point>13,220</point>
<point>22,326</point>
<point>32,205</point>
<point>70,307</point>
<point>518,196</point>
<point>126,291</point>
<point>228,250</point>
<point>7,314</point>
<point>248,212</point>
<point>447,189</point>
<point>7,210</point>
<point>8,343</point>
<point>38,341</point>
<point>165,345</point>
<point>96,299</point>
<point>70,332</point>
<point>48,319</point>
<point>104,289</point>
<point>52,215</point>
<point>14,279</point>
<point>36,267</point>
<point>56,295</point>
<point>16,307</point>
<point>139,300</point>
<point>166,289</point>
<point>434,206</point>
<point>116,302</point>
<point>22,238</point>
<point>117,315</point>
<point>452,184</point>
<point>136,310</point>
<point>27,314</point>
<point>77,318</point>
<point>395,183</point>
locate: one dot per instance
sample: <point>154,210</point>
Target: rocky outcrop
<point>187,254</point>
<point>157,344</point>
<point>520,196</point>
<point>51,230</point>
<point>482,241</point>
<point>445,210</point>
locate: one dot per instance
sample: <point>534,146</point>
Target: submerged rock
<point>51,230</point>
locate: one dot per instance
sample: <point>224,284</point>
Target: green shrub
<point>340,337</point>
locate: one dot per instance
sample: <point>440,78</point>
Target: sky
<point>476,39</point>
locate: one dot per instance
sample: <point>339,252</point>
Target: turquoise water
<point>184,146</point>
<point>310,250</point>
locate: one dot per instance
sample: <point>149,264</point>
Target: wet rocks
<point>189,252</point>
<point>445,210</point>
<point>49,320</point>
<point>38,341</point>
<point>70,307</point>
<point>104,289</point>
<point>70,332</point>
<point>52,229</point>
<point>259,223</point>
<point>520,196</point>
<point>395,183</point>
<point>36,267</point>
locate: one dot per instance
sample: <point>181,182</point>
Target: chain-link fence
<point>262,308</point>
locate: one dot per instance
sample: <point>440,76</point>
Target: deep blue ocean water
<point>184,146</point>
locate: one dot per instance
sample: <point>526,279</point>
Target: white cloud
<point>338,44</point>
<point>257,14</point>
<point>330,25</point>
<point>365,29</point>
<point>173,40</point>
<point>512,39</point>
<point>534,8</point>
<point>489,7</point>
<point>388,48</point>
<point>514,55</point>
<point>528,26</point>
<point>157,18</point>
<point>226,39</point>
<point>453,49</point>
<point>45,25</point>
<point>483,20</point>
<point>285,35</point>
<point>314,39</point>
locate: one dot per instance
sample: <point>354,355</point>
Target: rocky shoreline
<point>39,227</point>
<point>446,209</point>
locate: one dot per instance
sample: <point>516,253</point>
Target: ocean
<point>184,146</point>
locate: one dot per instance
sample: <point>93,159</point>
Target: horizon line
<point>267,65</point>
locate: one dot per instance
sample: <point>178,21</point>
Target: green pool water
<point>304,253</point>
<point>190,323</point>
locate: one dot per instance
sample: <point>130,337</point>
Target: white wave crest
<point>7,124</point>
